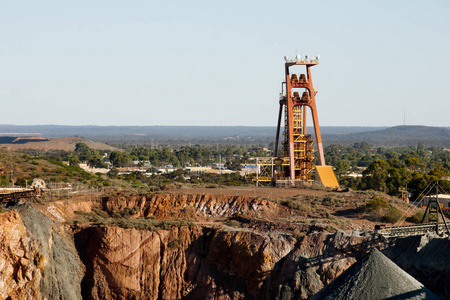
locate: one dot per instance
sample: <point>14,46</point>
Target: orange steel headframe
<point>290,100</point>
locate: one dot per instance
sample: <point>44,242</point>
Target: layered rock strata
<point>206,260</point>
<point>166,206</point>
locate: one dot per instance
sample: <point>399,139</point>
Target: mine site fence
<point>409,230</point>
<point>58,190</point>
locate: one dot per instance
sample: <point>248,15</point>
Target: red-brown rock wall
<point>205,263</point>
<point>195,206</point>
<point>21,263</point>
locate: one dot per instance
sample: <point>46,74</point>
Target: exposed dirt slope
<point>194,206</point>
<point>66,144</point>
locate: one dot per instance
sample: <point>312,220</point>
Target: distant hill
<point>240,135</point>
<point>396,136</point>
<point>21,140</point>
<point>165,132</point>
<point>158,135</point>
<point>40,144</point>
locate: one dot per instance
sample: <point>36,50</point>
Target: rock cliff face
<point>186,262</point>
<point>21,263</point>
<point>41,258</point>
<point>207,263</point>
<point>196,207</point>
<point>38,259</point>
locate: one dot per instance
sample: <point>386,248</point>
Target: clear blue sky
<point>221,62</point>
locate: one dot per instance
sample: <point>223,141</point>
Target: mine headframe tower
<point>296,162</point>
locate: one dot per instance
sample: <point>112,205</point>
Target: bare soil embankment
<point>42,144</point>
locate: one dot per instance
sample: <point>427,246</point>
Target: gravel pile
<point>374,277</point>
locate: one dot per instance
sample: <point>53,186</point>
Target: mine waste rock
<point>374,277</point>
<point>426,258</point>
<point>46,254</point>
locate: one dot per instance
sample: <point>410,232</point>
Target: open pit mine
<point>179,246</point>
<point>214,245</point>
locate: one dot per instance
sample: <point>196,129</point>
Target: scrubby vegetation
<point>380,169</point>
<point>377,209</point>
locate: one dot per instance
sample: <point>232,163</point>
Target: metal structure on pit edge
<point>433,211</point>
<point>264,170</point>
<point>296,163</point>
<point>12,194</point>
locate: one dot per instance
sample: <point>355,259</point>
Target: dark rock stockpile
<point>374,277</point>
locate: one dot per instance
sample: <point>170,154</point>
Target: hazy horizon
<point>201,63</point>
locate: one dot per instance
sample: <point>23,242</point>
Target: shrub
<point>392,215</point>
<point>417,217</point>
<point>376,204</point>
<point>293,204</point>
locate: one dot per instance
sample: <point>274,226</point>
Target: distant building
<point>198,169</point>
<point>167,169</point>
<point>217,171</point>
<point>89,169</point>
<point>218,166</point>
<point>354,175</point>
<point>247,169</point>
<point>443,199</point>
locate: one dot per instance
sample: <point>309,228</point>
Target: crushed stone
<point>374,277</point>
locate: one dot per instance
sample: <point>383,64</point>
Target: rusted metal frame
<point>426,212</point>
<point>290,121</point>
<point>280,114</point>
<point>443,219</point>
<point>17,195</point>
<point>312,106</point>
<point>441,212</point>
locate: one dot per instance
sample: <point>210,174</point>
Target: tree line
<point>389,169</point>
<point>381,169</point>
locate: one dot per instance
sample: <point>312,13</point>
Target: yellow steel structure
<point>327,177</point>
<point>303,154</point>
<point>265,169</point>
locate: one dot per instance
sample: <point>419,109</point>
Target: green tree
<point>83,151</point>
<point>374,177</point>
<point>119,159</point>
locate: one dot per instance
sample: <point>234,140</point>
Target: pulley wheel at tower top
<point>38,183</point>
